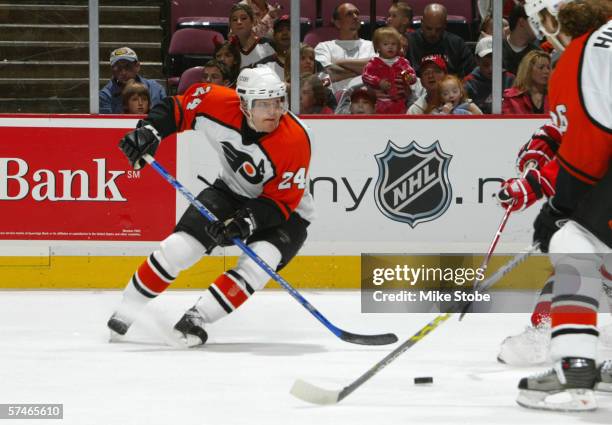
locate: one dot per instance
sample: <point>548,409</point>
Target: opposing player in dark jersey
<point>260,195</point>
<point>575,225</point>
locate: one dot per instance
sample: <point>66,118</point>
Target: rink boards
<point>75,216</point>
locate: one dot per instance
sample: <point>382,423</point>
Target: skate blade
<point>189,341</point>
<point>572,400</point>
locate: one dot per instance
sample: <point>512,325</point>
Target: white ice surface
<point>54,349</point>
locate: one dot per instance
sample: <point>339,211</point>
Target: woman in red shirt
<point>528,94</point>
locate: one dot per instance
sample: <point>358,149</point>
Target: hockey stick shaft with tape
<point>381,339</point>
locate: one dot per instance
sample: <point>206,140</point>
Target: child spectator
<point>486,27</point>
<point>135,98</point>
<point>251,47</point>
<point>229,55</point>
<point>452,99</point>
<point>215,72</point>
<point>362,101</point>
<point>433,69</point>
<point>400,18</point>
<point>313,97</point>
<point>389,73</point>
<point>528,94</point>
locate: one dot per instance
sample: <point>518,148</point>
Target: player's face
<point>138,104</point>
<point>541,72</point>
<point>450,92</point>
<point>307,63</point>
<point>241,24</point>
<point>212,74</point>
<point>266,114</point>
<point>389,48</point>
<point>124,70</point>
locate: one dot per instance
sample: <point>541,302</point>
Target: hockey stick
<point>316,395</point>
<point>381,339</point>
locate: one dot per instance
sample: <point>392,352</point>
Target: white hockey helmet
<point>259,83</point>
<point>537,11</point>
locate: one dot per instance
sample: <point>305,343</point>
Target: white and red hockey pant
<point>232,288</point>
<point>177,252</point>
<point>578,257</point>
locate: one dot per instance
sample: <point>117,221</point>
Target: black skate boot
<point>604,377</point>
<point>567,387</point>
<point>191,328</point>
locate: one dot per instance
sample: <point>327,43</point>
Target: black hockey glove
<point>546,224</point>
<point>144,139</point>
<point>241,226</point>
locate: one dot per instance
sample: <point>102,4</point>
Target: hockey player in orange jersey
<point>260,195</point>
<point>575,225</point>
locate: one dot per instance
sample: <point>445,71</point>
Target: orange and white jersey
<point>580,95</point>
<point>270,166</point>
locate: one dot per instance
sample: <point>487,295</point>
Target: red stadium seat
<point>189,77</point>
<point>317,35</point>
<point>191,47</point>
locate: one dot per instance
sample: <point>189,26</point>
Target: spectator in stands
<point>135,98</point>
<point>345,57</point>
<point>433,69</point>
<point>486,27</point>
<point>251,47</point>
<point>479,83</point>
<point>528,94</point>
<point>124,67</point>
<point>520,40</point>
<point>281,44</point>
<point>452,99</point>
<point>400,18</point>
<point>432,38</point>
<point>313,98</point>
<point>229,55</point>
<point>265,16</point>
<point>362,101</point>
<point>216,72</point>
<point>389,73</point>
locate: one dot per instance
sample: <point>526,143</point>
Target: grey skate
<point>567,387</point>
<point>604,377</point>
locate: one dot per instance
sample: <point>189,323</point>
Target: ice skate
<point>190,328</point>
<point>531,347</point>
<point>604,377</point>
<point>118,326</point>
<point>567,387</point>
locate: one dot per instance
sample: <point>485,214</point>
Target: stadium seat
<point>188,78</point>
<point>191,47</point>
<point>317,35</point>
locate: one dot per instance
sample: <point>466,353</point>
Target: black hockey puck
<point>423,380</point>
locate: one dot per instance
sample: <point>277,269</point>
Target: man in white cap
<point>479,83</point>
<point>125,67</point>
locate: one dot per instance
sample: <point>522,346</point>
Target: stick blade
<point>313,394</point>
<point>382,339</point>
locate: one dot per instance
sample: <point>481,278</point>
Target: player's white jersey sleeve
<point>596,77</point>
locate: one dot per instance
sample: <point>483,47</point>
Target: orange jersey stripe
<point>573,315</point>
<point>231,290</point>
<point>150,279</point>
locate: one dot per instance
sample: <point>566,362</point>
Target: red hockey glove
<point>523,192</point>
<point>541,148</point>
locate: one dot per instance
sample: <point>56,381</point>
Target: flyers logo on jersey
<point>243,164</point>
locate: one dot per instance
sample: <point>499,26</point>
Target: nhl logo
<point>413,185</point>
